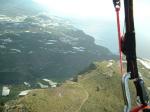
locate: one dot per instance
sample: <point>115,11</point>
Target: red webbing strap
<point>137,109</point>
<point>140,108</point>
<point>119,37</point>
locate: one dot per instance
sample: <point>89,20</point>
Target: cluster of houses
<point>47,83</point>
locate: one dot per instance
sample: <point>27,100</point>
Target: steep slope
<point>97,90</point>
<point>34,47</point>
<point>19,7</point>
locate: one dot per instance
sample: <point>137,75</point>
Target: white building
<point>42,85</point>
<point>27,84</point>
<point>24,93</point>
<point>5,91</point>
<point>51,83</point>
<point>53,86</point>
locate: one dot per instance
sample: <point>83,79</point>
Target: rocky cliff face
<point>33,47</point>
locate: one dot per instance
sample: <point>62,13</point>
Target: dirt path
<point>86,98</point>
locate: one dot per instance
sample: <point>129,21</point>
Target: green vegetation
<point>97,90</point>
<point>109,97</point>
<point>43,46</point>
<point>66,98</point>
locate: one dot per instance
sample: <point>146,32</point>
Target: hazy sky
<point>79,8</point>
<point>97,18</point>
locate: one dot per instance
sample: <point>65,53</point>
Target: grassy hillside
<point>96,90</point>
<point>66,98</point>
<point>109,97</point>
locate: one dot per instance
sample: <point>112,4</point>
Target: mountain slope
<point>21,7</point>
<point>97,90</point>
<point>41,46</point>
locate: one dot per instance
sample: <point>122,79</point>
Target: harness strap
<point>137,109</point>
<point>117,8</point>
<point>127,45</point>
<point>141,108</point>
